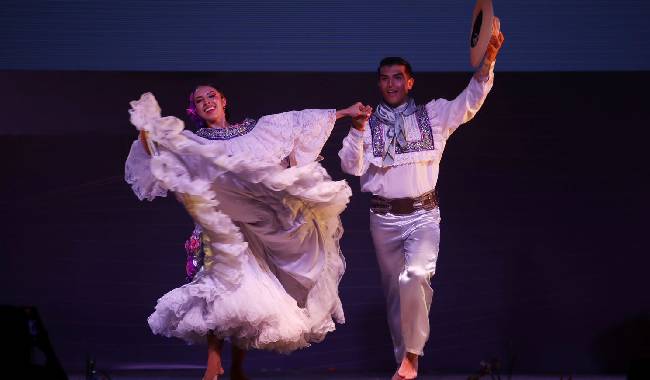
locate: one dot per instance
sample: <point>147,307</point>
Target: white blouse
<point>412,174</point>
<point>297,136</point>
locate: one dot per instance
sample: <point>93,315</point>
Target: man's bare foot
<point>408,370</point>
<point>396,376</point>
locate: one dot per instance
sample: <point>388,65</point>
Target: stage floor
<point>196,375</point>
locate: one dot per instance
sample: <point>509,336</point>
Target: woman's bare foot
<point>408,370</point>
<point>214,368</point>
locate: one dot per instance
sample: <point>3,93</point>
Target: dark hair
<point>191,108</point>
<point>390,61</point>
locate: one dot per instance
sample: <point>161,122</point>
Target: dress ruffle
<point>238,294</point>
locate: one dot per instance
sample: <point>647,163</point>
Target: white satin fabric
<point>272,279</point>
<point>407,249</point>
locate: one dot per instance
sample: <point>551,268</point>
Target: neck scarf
<point>393,118</point>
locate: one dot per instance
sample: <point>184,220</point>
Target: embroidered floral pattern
<point>425,143</point>
<point>234,130</point>
<point>195,254</point>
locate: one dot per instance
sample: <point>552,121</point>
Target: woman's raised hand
<point>357,110</point>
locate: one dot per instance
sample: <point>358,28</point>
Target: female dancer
<point>268,217</point>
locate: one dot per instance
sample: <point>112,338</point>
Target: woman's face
<point>210,104</point>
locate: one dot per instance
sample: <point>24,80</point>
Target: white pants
<point>407,249</point>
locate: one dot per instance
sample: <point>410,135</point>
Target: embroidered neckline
<point>425,142</point>
<point>234,130</point>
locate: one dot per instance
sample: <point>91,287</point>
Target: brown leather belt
<point>404,206</point>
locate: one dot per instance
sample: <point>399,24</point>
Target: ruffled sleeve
<point>315,128</point>
<point>137,173</point>
<point>299,134</point>
<point>452,113</point>
<point>144,112</point>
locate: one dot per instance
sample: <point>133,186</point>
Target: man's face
<point>395,84</point>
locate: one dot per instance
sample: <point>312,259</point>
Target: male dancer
<point>397,153</point>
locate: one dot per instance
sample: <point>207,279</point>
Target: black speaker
<point>28,352</point>
<point>640,367</point>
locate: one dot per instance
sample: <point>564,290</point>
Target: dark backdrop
<point>316,35</point>
<point>543,254</point>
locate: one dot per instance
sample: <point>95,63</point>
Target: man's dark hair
<point>390,61</point>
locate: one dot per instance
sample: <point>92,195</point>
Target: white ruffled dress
<point>273,262</point>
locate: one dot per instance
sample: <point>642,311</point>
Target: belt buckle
<point>424,202</point>
<point>381,207</point>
